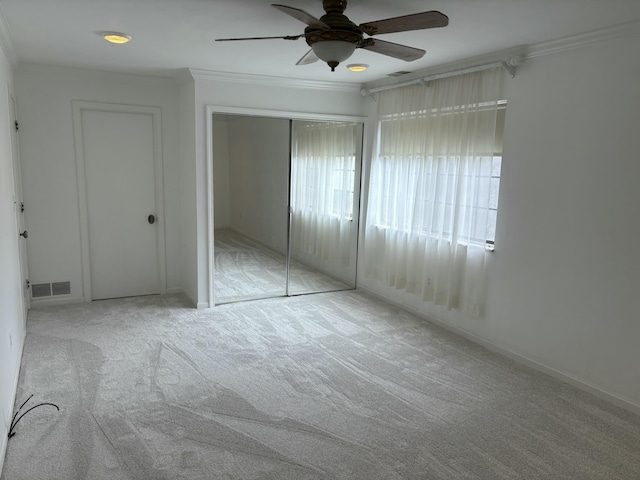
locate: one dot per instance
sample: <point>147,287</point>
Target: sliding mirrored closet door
<point>251,176</point>
<point>325,173</point>
<point>285,206</point>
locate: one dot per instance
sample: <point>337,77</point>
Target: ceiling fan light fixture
<point>333,51</point>
<point>116,37</point>
<point>357,67</point>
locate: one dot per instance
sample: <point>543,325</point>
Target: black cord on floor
<point>14,422</point>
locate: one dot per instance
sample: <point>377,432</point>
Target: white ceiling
<point>169,35</point>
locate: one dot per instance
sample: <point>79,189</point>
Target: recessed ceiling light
<point>116,37</point>
<point>357,67</point>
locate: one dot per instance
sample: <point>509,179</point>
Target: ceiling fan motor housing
<point>334,6</point>
<point>342,29</point>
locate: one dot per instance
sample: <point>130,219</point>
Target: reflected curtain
<point>322,182</point>
<point>431,203</point>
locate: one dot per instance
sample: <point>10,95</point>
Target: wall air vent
<point>41,290</point>
<point>61,288</point>
<point>47,289</point>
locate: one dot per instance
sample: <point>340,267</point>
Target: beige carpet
<point>328,386</point>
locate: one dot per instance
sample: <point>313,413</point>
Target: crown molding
<point>527,52</point>
<point>5,39</point>
<point>248,79</point>
<point>183,76</point>
<point>582,40</point>
<point>56,69</point>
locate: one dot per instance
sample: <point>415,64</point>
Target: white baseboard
<point>51,301</point>
<point>181,291</point>
<point>175,291</point>
<point>190,298</point>
<point>577,382</point>
<point>5,431</point>
<point>48,302</point>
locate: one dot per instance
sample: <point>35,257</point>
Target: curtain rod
<point>509,65</point>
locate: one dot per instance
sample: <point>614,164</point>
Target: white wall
<point>44,96</point>
<point>563,282</point>
<point>259,150</point>
<point>188,226</point>
<point>258,94</point>
<point>12,328</point>
<point>221,172</point>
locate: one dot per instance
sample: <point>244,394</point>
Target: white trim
<point>175,291</point>
<point>57,300</point>
<point>156,115</point>
<point>285,114</point>
<point>210,208</point>
<point>273,81</point>
<point>527,52</point>
<point>216,109</point>
<point>583,40</point>
<point>18,197</point>
<point>613,398</point>
<point>189,297</point>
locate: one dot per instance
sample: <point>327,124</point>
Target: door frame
<point>156,114</point>
<point>212,110</point>
<point>19,203</point>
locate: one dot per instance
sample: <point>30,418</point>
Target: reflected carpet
<point>247,270</point>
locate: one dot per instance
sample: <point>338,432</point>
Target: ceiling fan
<point>333,37</point>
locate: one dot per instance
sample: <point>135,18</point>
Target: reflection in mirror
<point>250,173</point>
<point>257,220</point>
<point>324,199</point>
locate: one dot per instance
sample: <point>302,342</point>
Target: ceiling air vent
<point>398,74</point>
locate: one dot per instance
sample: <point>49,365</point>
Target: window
<point>427,187</point>
<point>434,185</point>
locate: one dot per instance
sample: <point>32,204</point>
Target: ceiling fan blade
<point>309,57</point>
<point>286,37</point>
<point>301,15</point>
<point>417,21</point>
<point>395,50</point>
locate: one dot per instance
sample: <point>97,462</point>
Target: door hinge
<point>17,126</point>
<point>21,207</point>
<point>27,284</point>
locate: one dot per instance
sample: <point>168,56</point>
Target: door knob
<point>151,219</point>
<point>25,234</point>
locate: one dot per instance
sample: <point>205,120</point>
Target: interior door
<point>118,151</point>
<point>19,206</point>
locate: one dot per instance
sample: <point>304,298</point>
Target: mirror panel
<point>325,179</point>
<point>250,170</point>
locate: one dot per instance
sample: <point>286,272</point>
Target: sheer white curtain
<point>322,182</point>
<point>431,203</point>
